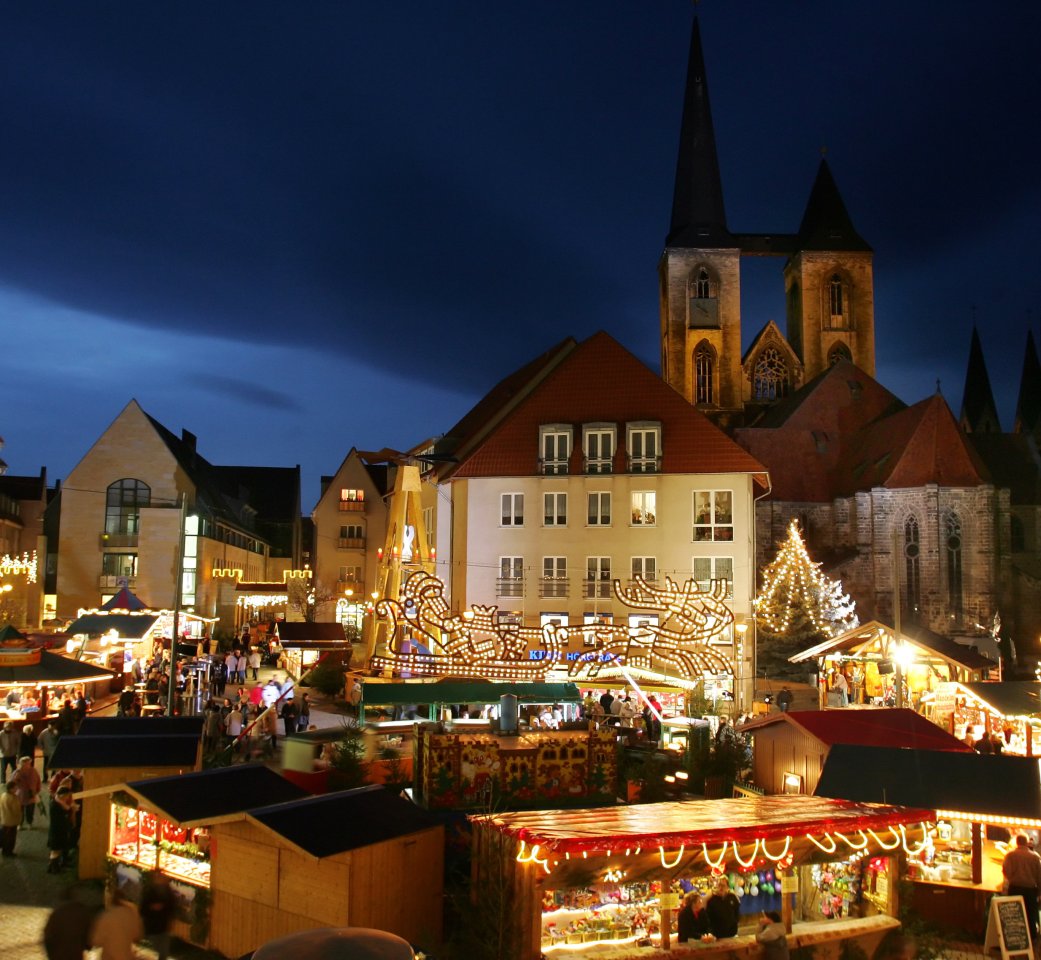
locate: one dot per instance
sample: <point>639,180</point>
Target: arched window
<point>952,546</point>
<point>770,379</point>
<point>123,503</point>
<point>700,286</point>
<point>913,564</point>
<point>838,352</point>
<point>838,316</point>
<point>704,374</point>
<point>702,294</point>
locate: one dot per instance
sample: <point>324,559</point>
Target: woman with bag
<point>27,787</point>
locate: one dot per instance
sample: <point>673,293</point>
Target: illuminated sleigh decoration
<point>477,643</point>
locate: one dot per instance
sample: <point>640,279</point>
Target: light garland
<point>751,860</point>
<point>533,856</point>
<point>995,819</point>
<point>770,856</point>
<point>817,843</point>
<point>718,865</point>
<point>675,863</point>
<point>13,566</point>
<point>883,845</point>
<point>922,846</point>
<point>854,846</point>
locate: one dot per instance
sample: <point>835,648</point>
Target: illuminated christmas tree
<point>797,606</point>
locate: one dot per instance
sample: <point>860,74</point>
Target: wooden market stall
<point>1009,710</point>
<point>109,759</point>
<point>304,644</point>
<point>593,881</point>
<point>252,856</point>
<point>980,802</point>
<point>789,749</point>
<point>871,657</point>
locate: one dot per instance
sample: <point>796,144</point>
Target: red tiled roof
<point>596,381</point>
<point>869,727</point>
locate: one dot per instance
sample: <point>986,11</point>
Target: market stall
<point>596,880</point>
<point>872,656</point>
<point>959,868</point>
<point>1007,711</point>
<point>304,644</point>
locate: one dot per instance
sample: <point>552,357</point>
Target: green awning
<point>460,691</point>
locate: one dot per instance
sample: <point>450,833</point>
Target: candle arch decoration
<point>688,620</point>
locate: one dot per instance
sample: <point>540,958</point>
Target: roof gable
<point>599,381</point>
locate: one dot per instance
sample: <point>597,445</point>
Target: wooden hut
<point>109,759</point>
<point>1009,709</point>
<point>789,749</point>
<point>979,800</point>
<point>304,644</point>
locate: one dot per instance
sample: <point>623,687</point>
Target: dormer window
<point>598,445</point>
<point>554,448</point>
<point>643,443</point>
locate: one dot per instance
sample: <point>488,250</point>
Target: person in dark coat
<point>290,713</point>
<point>784,699</point>
<point>692,920</point>
<point>158,907</point>
<point>67,933</point>
<point>60,828</point>
<point>27,742</point>
<point>723,909</point>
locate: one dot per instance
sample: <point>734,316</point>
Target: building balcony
<point>594,467</point>
<point>350,543</point>
<point>352,506</point>
<point>118,540</point>
<point>554,588</point>
<point>645,464</point>
<point>357,588</point>
<point>113,582</point>
<point>553,468</point>
<point>509,587</point>
<point>597,590</point>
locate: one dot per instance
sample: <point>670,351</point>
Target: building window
<point>714,515</point>
<point>1018,534</point>
<point>512,512</point>
<point>838,303</point>
<point>554,577</point>
<point>707,569</point>
<point>701,295</point>
<point>350,495</point>
<point>350,574</point>
<point>838,353</point>
<point>123,503</point>
<point>511,577</point>
<point>119,565</point>
<point>643,442</point>
<point>554,449</point>
<point>599,512</point>
<point>598,444</point>
<point>704,375</point>
<point>598,578</point>
<point>554,509</point>
<point>700,287</point>
<point>646,568</point>
<point>912,564</point>
<point>644,509</point>
<point>770,380</point>
<point>428,525</point>
<point>953,544</point>
<point>351,531</point>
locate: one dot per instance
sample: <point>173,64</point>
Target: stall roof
<point>134,626</point>
<point>146,726</point>
<point>52,670</point>
<point>691,823</point>
<point>337,822</point>
<point>868,726</point>
<point>1010,698</point>
<point>858,639</point>
<point>118,751</point>
<point>466,691</point>
<point>310,634</point>
<point>211,795</point>
<point>942,780</point>
<point>125,600</point>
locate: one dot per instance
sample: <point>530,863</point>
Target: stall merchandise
<point>1000,717</point>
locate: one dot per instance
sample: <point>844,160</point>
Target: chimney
<point>188,439</point>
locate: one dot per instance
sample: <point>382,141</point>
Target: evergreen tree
<point>797,607</point>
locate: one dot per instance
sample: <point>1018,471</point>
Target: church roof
<point>826,224</point>
<point>1028,404</point>
<point>595,381</point>
<point>979,413</point>
<point>698,214</point>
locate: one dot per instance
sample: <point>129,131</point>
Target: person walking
<point>304,720</point>
<point>158,906</point>
<point>48,743</point>
<point>117,929</point>
<point>60,829</point>
<point>27,785</point>
<point>10,738</point>
<point>10,819</point>
<point>254,662</point>
<point>784,699</point>
<point>66,935</point>
<point>27,743</point>
<point>1022,869</point>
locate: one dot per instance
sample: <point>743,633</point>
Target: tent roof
<point>869,726</point>
<point>941,780</point>
<point>119,751</point>
<point>144,726</point>
<point>337,822</point>
<point>295,634</point>
<point>124,600</point>
<point>1010,698</point>
<point>53,669</point>
<point>464,691</point>
<point>8,632</point>
<point>131,625</point>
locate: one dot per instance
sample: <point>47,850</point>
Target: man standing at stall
<point>1022,870</point>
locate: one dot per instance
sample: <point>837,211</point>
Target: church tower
<point>829,285</point>
<point>979,413</point>
<point>700,269</point>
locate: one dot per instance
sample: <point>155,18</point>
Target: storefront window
<point>145,840</point>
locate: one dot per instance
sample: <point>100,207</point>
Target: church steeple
<point>979,413</point>
<point>826,224</point>
<point>698,215</point>
<point>1028,406</point>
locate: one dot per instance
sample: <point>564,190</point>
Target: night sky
<point>293,228</point>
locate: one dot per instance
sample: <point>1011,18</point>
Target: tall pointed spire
<point>698,216</point>
<point>979,413</point>
<point>1028,406</point>
<point>826,224</point>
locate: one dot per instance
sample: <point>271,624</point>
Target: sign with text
<point>1007,928</point>
<point>668,901</point>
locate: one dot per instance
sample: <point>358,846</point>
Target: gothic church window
<point>952,545</point>
<point>704,303</point>
<point>770,380</point>
<point>701,285</point>
<point>1019,539</point>
<point>838,352</point>
<point>838,315</point>
<point>913,564</point>
<point>704,374</point>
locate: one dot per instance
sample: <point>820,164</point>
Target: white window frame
<point>352,495</point>
<point>552,514</point>
<point>641,462</point>
<point>428,525</point>
<point>710,526</point>
<point>509,515</point>
<point>639,566</point>
<point>597,519</point>
<point>598,583</point>
<point>640,515</point>
<point>556,465</point>
<point>594,620</point>
<point>554,571</point>
<point>715,573</point>
<point>510,582</point>
<point>596,435</point>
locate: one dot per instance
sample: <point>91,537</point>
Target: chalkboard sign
<point>1007,927</point>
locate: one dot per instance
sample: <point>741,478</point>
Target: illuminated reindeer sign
<point>682,622</point>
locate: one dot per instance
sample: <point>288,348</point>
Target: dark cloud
<point>244,392</point>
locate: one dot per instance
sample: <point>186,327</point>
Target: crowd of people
<point>246,721</point>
